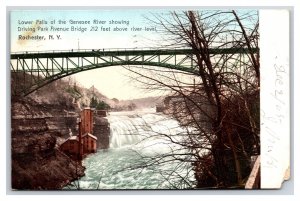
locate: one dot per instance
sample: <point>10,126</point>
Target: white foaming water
<point>142,128</point>
<point>135,138</point>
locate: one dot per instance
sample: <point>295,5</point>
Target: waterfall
<point>134,137</point>
<point>125,130</point>
<point>130,128</point>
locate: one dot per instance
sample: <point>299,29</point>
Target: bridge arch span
<point>47,80</point>
<point>33,70</point>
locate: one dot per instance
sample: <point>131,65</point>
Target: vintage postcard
<point>149,99</point>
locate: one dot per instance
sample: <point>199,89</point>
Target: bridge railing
<point>101,50</point>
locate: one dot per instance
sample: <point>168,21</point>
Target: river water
<point>140,156</point>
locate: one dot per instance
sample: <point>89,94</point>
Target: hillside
<point>68,94</point>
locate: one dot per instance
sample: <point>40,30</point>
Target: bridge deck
<point>121,52</point>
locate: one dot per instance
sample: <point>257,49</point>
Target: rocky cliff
<point>102,132</point>
<point>36,161</point>
<point>39,124</point>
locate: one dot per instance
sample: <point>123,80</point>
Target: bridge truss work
<point>33,70</point>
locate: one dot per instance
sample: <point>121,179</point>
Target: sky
<point>87,39</point>
<point>111,81</point>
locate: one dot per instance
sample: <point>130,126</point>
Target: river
<point>140,156</point>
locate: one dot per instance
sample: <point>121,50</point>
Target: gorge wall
<point>35,160</point>
<point>39,124</point>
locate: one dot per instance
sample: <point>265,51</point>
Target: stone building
<point>71,147</point>
<point>85,142</point>
<point>89,143</point>
<point>87,120</point>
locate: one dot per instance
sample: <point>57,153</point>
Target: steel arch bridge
<point>33,70</point>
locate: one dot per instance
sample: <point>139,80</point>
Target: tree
<point>222,108</point>
<point>93,102</point>
<point>99,105</point>
<point>116,101</point>
<point>103,106</point>
<point>131,106</point>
